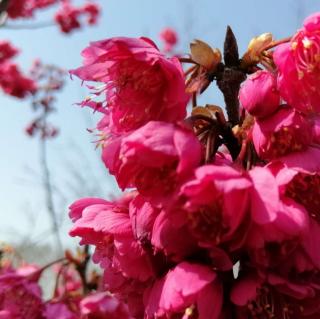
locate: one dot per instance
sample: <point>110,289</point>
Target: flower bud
<point>258,95</point>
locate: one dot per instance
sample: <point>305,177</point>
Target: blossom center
<point>285,140</point>
<point>305,190</point>
<point>269,305</point>
<point>207,223</point>
<point>307,52</point>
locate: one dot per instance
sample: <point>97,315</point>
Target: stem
<point>28,26</point>
<point>56,285</point>
<point>229,84</point>
<point>48,190</point>
<point>41,270</point>
<point>276,43</point>
<point>186,60</point>
<point>267,65</point>
<point>231,142</point>
<point>209,146</point>
<point>82,269</point>
<point>194,99</point>
<point>52,263</point>
<point>190,70</point>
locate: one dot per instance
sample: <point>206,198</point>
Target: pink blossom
<point>76,209</point>
<point>127,290</point>
<point>185,290</point>
<point>169,37</point>
<point>13,82</point>
<point>268,295</point>
<point>20,295</point>
<point>259,95</point>
<point>154,158</point>
<point>316,130</point>
<point>57,310</point>
<point>25,8</point>
<point>217,205</point>
<point>300,182</point>
<point>69,282</point>
<point>172,236</point>
<point>103,305</point>
<point>142,216</point>
<point>278,224</point>
<point>19,9</point>
<point>301,186</point>
<point>281,133</point>
<point>92,10</point>
<point>41,4</point>
<point>298,66</point>
<point>108,227</point>
<point>141,84</point>
<point>67,17</point>
<point>7,51</point>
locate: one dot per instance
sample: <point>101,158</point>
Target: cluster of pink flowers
<point>25,8</point>
<point>68,16</point>
<point>12,80</point>
<point>195,235</point>
<point>50,79</point>
<point>21,293</point>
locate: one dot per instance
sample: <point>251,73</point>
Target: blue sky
<point>22,208</point>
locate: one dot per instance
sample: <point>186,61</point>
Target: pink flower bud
<point>259,95</point>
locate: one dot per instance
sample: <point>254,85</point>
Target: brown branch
<point>3,6</point>
<point>229,82</point>
<point>82,269</point>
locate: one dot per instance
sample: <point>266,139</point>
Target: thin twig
<point>187,60</point>
<point>48,191</point>
<point>28,26</point>
<point>82,269</point>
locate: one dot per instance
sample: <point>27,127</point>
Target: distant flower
<point>103,305</point>
<point>69,17</point>
<point>13,82</point>
<point>20,294</point>
<point>7,51</point>
<point>170,38</point>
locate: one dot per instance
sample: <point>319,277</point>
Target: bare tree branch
<point>49,191</point>
<point>3,6</point>
<point>28,26</point>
